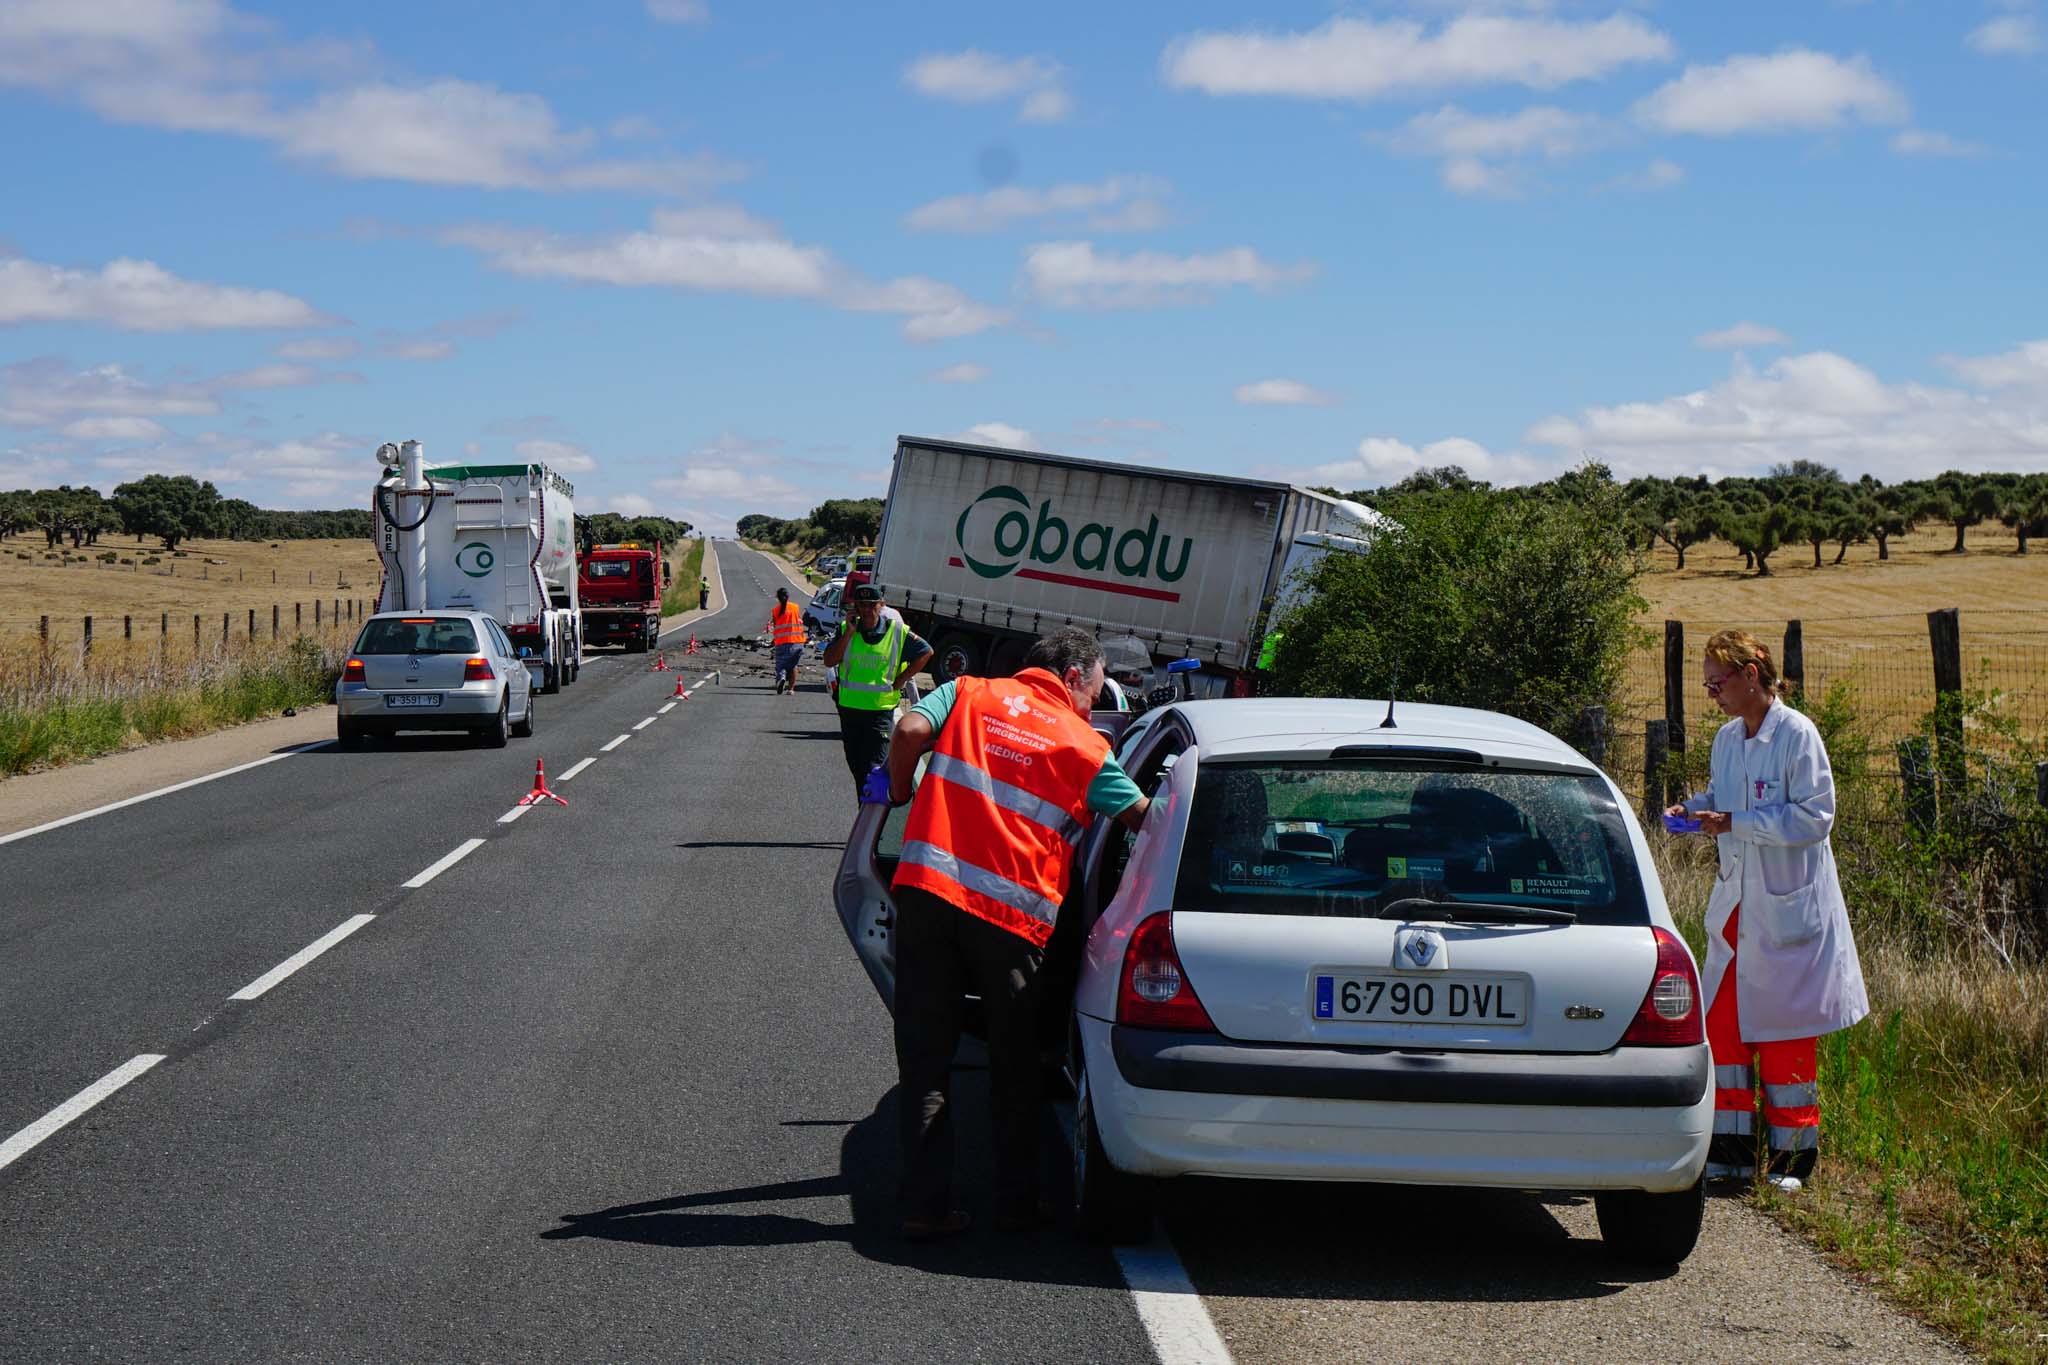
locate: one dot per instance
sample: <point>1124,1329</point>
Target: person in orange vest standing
<point>786,635</point>
<point>1014,779</point>
<point>1781,963</point>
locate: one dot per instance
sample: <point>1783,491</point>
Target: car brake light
<point>1153,990</point>
<point>477,670</point>
<point>352,671</point>
<point>1670,1015</point>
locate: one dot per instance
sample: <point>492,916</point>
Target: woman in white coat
<point>1781,961</point>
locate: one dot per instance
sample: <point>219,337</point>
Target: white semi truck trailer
<point>983,549</point>
<point>493,538</point>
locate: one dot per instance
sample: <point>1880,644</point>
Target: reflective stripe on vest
<point>867,675</point>
<point>786,626</point>
<point>1004,802</point>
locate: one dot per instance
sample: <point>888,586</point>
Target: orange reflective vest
<point>786,626</point>
<point>1004,802</point>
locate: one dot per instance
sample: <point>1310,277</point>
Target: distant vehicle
<point>1432,954</point>
<point>827,605</point>
<point>832,566</point>
<point>620,586</point>
<point>499,539</point>
<point>985,548</point>
<point>861,567</point>
<point>442,670</point>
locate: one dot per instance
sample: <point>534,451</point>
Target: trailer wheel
<point>956,655</point>
<point>551,672</point>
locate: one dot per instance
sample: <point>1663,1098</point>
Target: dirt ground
<point>213,576</point>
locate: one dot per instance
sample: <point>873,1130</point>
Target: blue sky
<point>710,258</point>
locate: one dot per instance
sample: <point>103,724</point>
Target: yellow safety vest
<point>867,675</point>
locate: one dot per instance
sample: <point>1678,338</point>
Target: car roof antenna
<point>1388,723</point>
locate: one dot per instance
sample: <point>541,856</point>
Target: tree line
<point>611,528</point>
<point>1803,504</point>
<point>835,524</point>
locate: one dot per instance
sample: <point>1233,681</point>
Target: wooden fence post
<point>298,616</point>
<point>1793,666</point>
<point>316,613</point>
<point>1945,636</point>
<point>195,634</point>
<point>1592,728</point>
<point>43,629</point>
<point>252,623</point>
<point>1916,778</point>
<point>88,635</point>
<point>224,628</point>
<point>127,627</point>
<point>2041,783</point>
<point>1674,682</point>
<point>1656,753</point>
<point>163,628</point>
<point>273,613</point>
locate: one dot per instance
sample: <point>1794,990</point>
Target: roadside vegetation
<point>837,525</point>
<point>687,574</point>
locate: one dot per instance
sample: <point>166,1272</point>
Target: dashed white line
<point>47,826</point>
<point>666,709</point>
<point>29,1138</point>
<point>607,748</point>
<point>1175,1318</point>
<point>462,850</point>
<point>575,769</point>
<point>645,723</point>
<point>509,816</point>
<point>304,955</point>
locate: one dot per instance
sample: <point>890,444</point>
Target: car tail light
<point>352,671</point>
<point>1670,1015</point>
<point>477,670</point>
<point>1153,990</point>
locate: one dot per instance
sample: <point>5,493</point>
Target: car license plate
<point>395,699</point>
<point>1439,998</point>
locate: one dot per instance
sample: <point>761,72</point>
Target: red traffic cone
<point>540,790</point>
<point>693,646</point>
<point>660,662</point>
<point>681,695</point>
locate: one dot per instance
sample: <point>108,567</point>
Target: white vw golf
<point>1431,952</point>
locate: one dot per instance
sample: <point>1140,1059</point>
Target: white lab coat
<point>1796,972</point>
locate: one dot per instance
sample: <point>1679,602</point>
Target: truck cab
<point>621,586</point>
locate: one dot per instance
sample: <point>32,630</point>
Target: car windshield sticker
<point>1561,888</point>
<point>1420,869</point>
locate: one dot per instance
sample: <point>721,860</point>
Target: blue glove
<point>1682,824</point>
<point>874,789</point>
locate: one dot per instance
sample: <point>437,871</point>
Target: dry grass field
<point>214,576</point>
<point>1865,620</point>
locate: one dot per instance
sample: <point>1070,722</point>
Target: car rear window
<point>1349,838</point>
<point>418,635</point>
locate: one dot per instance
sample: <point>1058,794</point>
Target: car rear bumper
<point>461,709</point>
<point>1368,1119</point>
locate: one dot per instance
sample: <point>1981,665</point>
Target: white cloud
<point>563,456</point>
<point>679,11</point>
<point>976,77</point>
<point>725,250</point>
<point>417,348</point>
<point>318,348</point>
<point>2009,35</point>
<point>966,372</point>
<point>628,505</point>
<point>1381,460</point>
<point>140,296</point>
<point>1660,174</point>
<point>998,434</point>
<point>281,376</point>
<point>1825,407</point>
<point>47,391</point>
<point>1075,275</point>
<point>1285,392</point>
<point>114,429</point>
<point>1118,203</point>
<point>1796,90</point>
<point>1920,142</point>
<point>1363,59</point>
<point>1740,335</point>
<point>1541,129</point>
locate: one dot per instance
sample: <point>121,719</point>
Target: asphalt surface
<point>612,1087</point>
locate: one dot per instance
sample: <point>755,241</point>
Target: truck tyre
<point>498,733</point>
<point>551,671</point>
<point>1651,1229</point>
<point>524,727</point>
<point>956,655</point>
<point>1111,1207</point>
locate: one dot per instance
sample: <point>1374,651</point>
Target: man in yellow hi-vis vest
<point>875,654</point>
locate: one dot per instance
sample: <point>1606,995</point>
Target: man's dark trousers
<point>943,953</point>
<point>865,736</point>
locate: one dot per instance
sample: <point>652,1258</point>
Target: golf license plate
<point>412,699</point>
<point>1439,998</point>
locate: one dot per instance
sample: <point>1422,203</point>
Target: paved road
<point>612,1087</point>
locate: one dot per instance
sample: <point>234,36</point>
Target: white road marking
<point>1181,1329</point>
<point>605,749</point>
<point>576,769</point>
<point>645,723</point>
<point>27,1139</point>
<point>304,955</point>
<point>462,850</point>
<point>509,816</point>
<point>160,791</point>
<point>666,709</point>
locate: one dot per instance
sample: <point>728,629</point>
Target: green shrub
<point>109,556</point>
<point>153,559</point>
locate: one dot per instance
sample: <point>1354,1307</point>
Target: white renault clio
<point>1431,952</point>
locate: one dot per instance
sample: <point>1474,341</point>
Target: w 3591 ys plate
<point>1439,998</point>
<point>412,699</point>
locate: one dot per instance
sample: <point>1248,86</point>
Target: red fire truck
<point>620,587</point>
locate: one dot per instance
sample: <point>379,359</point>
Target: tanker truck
<point>496,538</point>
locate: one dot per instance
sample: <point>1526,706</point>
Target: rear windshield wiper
<point>1473,912</point>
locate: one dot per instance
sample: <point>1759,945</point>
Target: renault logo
<point>1421,948</point>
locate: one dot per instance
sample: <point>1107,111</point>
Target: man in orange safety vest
<point>1015,777</point>
<point>786,634</point>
